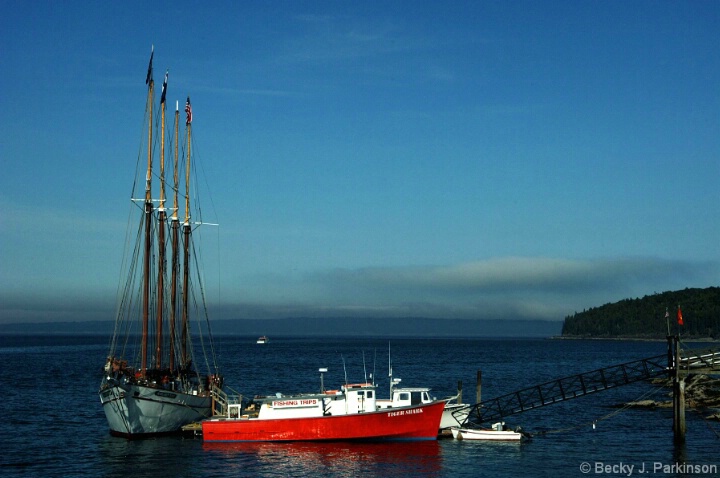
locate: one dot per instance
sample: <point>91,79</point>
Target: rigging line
<point>133,309</point>
<point>124,296</point>
<point>207,318</point>
<point>707,422</point>
<point>234,391</point>
<point>689,348</point>
<point>190,346</point>
<point>201,335</point>
<point>201,285</point>
<point>120,296</point>
<point>115,403</point>
<point>684,344</point>
<point>199,163</point>
<point>219,265</point>
<point>118,411</point>
<point>142,148</point>
<point>194,409</point>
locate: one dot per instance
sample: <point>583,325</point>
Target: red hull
<point>413,423</point>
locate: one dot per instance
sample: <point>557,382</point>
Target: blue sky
<point>467,159</point>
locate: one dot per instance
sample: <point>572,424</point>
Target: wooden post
<point>459,394</point>
<point>671,356</point>
<point>677,358</point>
<point>678,399</point>
<point>478,389</point>
<point>680,435</point>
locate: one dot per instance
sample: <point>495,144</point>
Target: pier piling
<point>678,397</point>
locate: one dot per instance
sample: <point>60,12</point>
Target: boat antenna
<point>390,369</point>
<point>344,369</point>
<point>374,361</point>
<point>364,369</point>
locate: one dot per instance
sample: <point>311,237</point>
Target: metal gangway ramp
<point>562,389</point>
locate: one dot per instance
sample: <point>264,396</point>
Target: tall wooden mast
<point>186,238</point>
<point>162,217</point>
<point>174,225</point>
<point>148,219</point>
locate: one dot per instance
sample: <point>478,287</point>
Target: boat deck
<point>194,428</point>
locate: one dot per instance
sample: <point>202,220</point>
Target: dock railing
<point>705,358</point>
<point>562,389</point>
<point>221,400</point>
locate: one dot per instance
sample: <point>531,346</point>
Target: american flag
<point>188,111</point>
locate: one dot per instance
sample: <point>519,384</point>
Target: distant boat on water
<point>151,384</point>
<point>262,340</point>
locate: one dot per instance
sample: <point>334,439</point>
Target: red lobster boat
<point>348,414</point>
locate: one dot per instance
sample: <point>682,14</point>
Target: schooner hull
<point>136,411</point>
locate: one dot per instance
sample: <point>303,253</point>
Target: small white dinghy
<point>498,432</point>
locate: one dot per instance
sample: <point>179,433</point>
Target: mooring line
<point>605,417</point>
<point>707,422</point>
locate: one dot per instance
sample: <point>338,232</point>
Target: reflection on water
<point>162,456</point>
<point>342,458</point>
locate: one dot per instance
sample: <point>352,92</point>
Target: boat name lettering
<point>405,412</point>
<point>305,402</point>
<point>166,394</point>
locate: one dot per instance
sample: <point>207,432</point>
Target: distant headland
<point>651,317</point>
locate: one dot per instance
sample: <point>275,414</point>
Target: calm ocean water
<point>53,425</point>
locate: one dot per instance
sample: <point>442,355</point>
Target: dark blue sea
<point>53,425</point>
